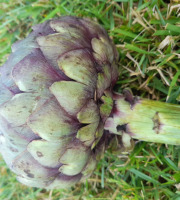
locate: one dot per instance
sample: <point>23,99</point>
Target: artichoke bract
<point>55,97</point>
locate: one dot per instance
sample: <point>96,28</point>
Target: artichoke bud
<point>55,96</point>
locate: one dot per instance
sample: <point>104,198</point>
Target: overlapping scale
<point>19,136</point>
<point>34,74</point>
<point>74,158</point>
<point>28,43</point>
<point>114,73</point>
<point>18,109</point>
<point>20,50</point>
<point>89,113</point>
<point>98,134</point>
<point>90,166</point>
<point>13,140</point>
<point>63,181</point>
<point>40,183</point>
<point>71,95</point>
<point>5,94</point>
<point>51,122</point>
<point>93,30</point>
<point>79,66</point>
<point>87,133</point>
<point>48,153</point>
<point>9,151</point>
<point>5,70</point>
<point>42,29</point>
<point>25,165</point>
<point>104,80</point>
<point>57,44</point>
<point>69,26</point>
<point>99,46</point>
<point>106,107</point>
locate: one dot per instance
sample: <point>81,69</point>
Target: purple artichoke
<point>55,96</point>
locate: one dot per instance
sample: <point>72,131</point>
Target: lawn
<point>147,37</point>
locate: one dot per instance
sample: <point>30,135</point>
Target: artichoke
<point>58,111</point>
<point>55,96</point>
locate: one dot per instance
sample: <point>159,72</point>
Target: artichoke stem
<point>145,119</point>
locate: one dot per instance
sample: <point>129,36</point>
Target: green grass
<point>147,35</point>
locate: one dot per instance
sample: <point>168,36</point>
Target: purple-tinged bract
<point>55,96</point>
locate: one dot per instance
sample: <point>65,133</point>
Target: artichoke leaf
<point>70,26</point>
<point>48,153</point>
<point>19,136</point>
<point>26,166</point>
<point>93,28</point>
<point>87,171</point>
<point>57,44</point>
<point>114,73</point>
<point>78,65</point>
<point>106,107</point>
<point>51,122</point>
<point>17,110</point>
<point>63,181</point>
<point>86,134</point>
<point>104,80</point>
<point>40,183</point>
<point>89,113</point>
<point>5,94</point>
<point>98,135</point>
<point>34,74</point>
<point>74,159</point>
<point>9,152</point>
<point>99,45</point>
<point>71,95</point>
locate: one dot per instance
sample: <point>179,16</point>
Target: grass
<point>147,36</point>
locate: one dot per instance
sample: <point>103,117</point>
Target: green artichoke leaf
<point>78,65</point>
<point>86,134</point>
<point>106,107</point>
<point>104,80</point>
<point>48,153</point>
<point>17,110</point>
<point>51,122</point>
<point>91,165</point>
<point>98,134</point>
<point>89,113</point>
<point>71,95</point>
<point>68,26</point>
<point>74,159</point>
<point>25,165</point>
<point>99,45</point>
<point>57,44</point>
<point>63,181</point>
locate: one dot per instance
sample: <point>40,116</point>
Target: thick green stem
<point>145,119</point>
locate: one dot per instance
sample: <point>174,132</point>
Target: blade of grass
<point>143,176</point>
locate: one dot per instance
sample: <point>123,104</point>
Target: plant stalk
<point>145,119</point>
